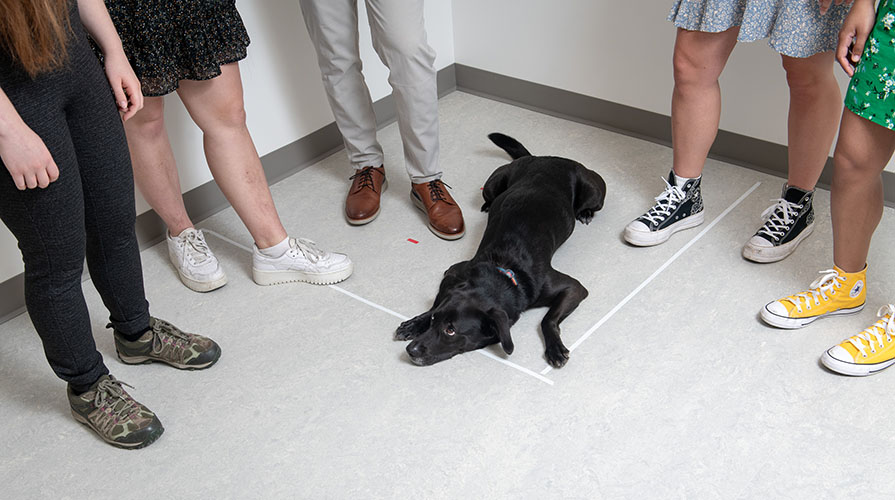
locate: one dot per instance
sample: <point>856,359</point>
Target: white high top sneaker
<point>303,261</point>
<point>197,266</point>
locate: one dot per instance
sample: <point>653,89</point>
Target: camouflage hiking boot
<point>166,343</point>
<point>110,411</point>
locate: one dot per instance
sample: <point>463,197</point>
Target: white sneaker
<point>304,261</point>
<point>198,268</point>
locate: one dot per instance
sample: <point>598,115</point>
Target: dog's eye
<point>449,331</point>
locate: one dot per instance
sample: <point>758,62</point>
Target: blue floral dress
<point>793,28</point>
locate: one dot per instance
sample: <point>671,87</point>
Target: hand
<point>853,35</point>
<point>125,85</point>
<point>825,4</point>
<point>27,158</point>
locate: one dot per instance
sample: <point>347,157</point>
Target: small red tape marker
<point>412,241</point>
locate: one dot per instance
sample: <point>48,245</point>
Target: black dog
<point>533,203</point>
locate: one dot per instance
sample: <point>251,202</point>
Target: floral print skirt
<point>871,93</point>
<point>793,28</point>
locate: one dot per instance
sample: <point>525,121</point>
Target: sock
<point>277,250</point>
<point>680,181</point>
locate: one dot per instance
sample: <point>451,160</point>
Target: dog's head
<point>465,318</point>
<point>459,328</point>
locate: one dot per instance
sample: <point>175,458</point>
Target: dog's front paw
<point>408,330</point>
<point>557,355</point>
<point>585,216</point>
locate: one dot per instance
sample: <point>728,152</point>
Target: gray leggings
<point>89,211</point>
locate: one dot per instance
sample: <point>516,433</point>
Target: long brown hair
<point>34,33</point>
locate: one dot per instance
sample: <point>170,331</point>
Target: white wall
<point>615,50</point>
<point>284,97</point>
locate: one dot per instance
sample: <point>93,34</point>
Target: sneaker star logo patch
<point>856,290</point>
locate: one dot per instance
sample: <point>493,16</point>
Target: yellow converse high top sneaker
<point>868,352</point>
<point>835,292</point>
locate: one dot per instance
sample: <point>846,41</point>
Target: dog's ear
<point>500,322</point>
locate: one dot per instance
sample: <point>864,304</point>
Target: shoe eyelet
<point>865,355</point>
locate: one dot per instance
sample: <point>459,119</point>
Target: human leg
<point>332,26</point>
<point>399,37</point>
<point>155,172</point>
<point>699,58</point>
<point>217,107</point>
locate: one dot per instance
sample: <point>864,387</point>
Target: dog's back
<point>534,195</point>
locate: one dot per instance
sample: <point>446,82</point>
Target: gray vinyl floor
<point>674,389</point>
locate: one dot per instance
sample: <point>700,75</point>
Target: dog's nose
<point>416,349</point>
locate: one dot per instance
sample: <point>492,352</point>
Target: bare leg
<point>814,104</point>
<point>861,154</point>
<point>155,170</point>
<point>217,107</point>
<point>699,59</point>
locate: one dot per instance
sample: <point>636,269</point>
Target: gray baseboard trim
<point>757,154</point>
<point>12,297</point>
<point>207,199</point>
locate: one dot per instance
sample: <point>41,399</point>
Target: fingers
<point>120,96</point>
<point>53,171</point>
<point>825,5</point>
<point>42,178</point>
<point>135,96</point>
<point>842,52</point>
<point>20,182</point>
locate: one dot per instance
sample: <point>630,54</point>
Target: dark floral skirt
<point>171,40</point>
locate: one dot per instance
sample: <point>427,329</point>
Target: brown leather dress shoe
<point>362,204</point>
<point>445,216</point>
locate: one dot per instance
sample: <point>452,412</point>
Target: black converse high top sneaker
<point>786,223</point>
<point>676,208</point>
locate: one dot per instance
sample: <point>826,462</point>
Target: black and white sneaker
<point>675,209</point>
<point>786,223</point>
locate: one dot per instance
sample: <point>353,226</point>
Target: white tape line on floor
<point>395,314</point>
<point>653,276</point>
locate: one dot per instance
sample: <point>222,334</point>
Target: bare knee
<point>149,121</point>
<point>809,76</point>
<point>691,71</point>
<point>229,115</point>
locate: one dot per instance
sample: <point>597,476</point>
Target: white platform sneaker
<point>303,261</point>
<point>197,266</point>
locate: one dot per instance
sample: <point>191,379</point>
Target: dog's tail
<point>510,145</point>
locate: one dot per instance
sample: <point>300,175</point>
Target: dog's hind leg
<point>590,191</point>
<point>497,183</point>
<point>562,294</point>
<point>414,327</point>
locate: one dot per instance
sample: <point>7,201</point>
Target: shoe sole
<point>202,286</point>
<point>764,255</point>
<point>127,446</point>
<point>361,222</point>
<point>266,278</point>
<point>445,236</point>
<point>197,286</point>
<point>651,238</point>
<point>144,360</point>
<point>796,323</point>
<point>853,369</point>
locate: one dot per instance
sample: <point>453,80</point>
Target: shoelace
<point>196,247</point>
<point>778,218</point>
<point>365,178</point>
<point>665,203</point>
<point>308,248</point>
<point>120,404</point>
<point>165,333</point>
<point>436,193</point>
<point>885,326</point>
<point>818,289</point>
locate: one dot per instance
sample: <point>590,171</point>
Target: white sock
<point>277,250</point>
<point>680,181</point>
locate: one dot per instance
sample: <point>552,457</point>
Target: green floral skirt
<point>871,93</point>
